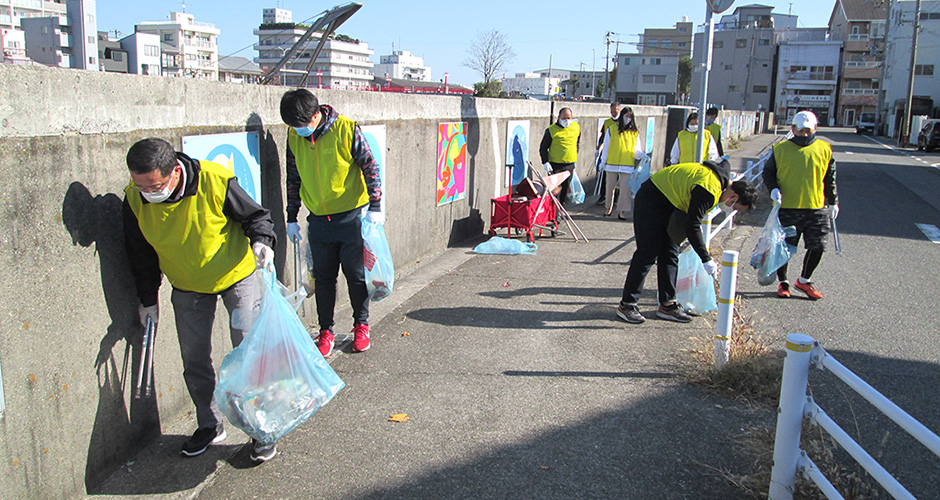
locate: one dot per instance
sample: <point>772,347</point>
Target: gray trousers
<point>195,313</point>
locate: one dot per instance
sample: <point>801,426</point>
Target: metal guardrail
<point>795,407</point>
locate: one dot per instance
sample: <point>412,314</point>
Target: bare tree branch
<point>488,53</point>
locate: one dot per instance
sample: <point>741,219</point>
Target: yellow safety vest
<point>330,180</point>
<point>621,147</point>
<point>715,130</point>
<point>564,148</point>
<point>199,247</point>
<point>676,183</point>
<point>800,173</point>
<point>687,146</point>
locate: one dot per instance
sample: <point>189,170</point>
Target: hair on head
<point>151,154</point>
<point>298,107</point>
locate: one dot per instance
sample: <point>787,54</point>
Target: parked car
<point>865,123</point>
<point>929,137</point>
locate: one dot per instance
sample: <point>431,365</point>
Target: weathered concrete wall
<point>69,339</point>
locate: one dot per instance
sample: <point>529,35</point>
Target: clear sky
<point>570,32</point>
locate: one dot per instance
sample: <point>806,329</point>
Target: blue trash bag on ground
<point>377,258</point>
<point>575,190</point>
<point>695,288</point>
<point>772,250</point>
<point>641,173</point>
<point>276,378</point>
<point>505,246</point>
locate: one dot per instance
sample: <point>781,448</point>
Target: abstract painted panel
<point>451,162</point>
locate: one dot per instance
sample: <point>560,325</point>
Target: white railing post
<point>707,229</point>
<point>726,291</point>
<point>790,416</point>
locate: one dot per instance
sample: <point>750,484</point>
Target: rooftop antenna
<point>184,6</point>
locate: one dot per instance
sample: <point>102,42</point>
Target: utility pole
<point>700,152</point>
<point>593,70</point>
<point>880,115</point>
<point>607,66</point>
<point>906,125</point>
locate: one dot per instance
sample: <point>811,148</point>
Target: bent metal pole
<point>729,282</point>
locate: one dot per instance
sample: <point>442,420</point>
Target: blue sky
<point>571,32</point>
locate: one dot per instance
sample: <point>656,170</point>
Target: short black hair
<point>298,107</point>
<point>747,194</point>
<point>150,154</point>
<point>693,116</point>
<point>711,112</point>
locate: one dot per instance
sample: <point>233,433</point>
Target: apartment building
<point>143,53</point>
<point>807,75</point>
<point>13,43</point>
<point>534,84</point>
<point>675,41</point>
<point>239,70</point>
<point>647,79</point>
<point>402,64</point>
<point>860,26</point>
<point>191,48</point>
<point>68,41</point>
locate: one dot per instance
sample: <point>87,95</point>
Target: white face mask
<point>627,121</point>
<point>725,208</point>
<point>693,128</point>
<point>564,123</point>
<point>159,196</point>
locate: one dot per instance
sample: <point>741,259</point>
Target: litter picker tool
<point>303,307</point>
<point>145,366</point>
<point>835,234</point>
<point>551,182</point>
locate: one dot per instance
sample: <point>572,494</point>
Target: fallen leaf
<point>398,417</point>
<point>544,467</point>
<point>406,334</point>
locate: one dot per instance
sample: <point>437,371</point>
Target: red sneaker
<point>809,290</point>
<point>361,340</point>
<point>783,291</point>
<point>325,342</point>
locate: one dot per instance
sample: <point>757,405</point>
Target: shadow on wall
<point>271,196</point>
<point>118,432</point>
<point>471,226</point>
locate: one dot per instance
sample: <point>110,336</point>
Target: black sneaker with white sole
<point>202,439</point>
<point>262,452</point>
<point>673,312</point>
<point>630,313</point>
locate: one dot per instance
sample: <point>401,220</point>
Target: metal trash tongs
<point>145,381</point>
<point>835,234</point>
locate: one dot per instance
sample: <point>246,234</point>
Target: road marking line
<point>930,231</point>
<point>849,153</point>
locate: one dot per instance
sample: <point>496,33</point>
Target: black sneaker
<point>630,314</point>
<point>201,440</point>
<point>262,452</point>
<point>673,312</point>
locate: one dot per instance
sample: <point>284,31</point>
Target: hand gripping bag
<point>695,288</point>
<point>276,378</point>
<point>377,258</point>
<point>772,250</point>
<point>575,190</point>
<point>641,173</point>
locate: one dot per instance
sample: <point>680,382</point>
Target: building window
<point>151,50</point>
<point>667,44</point>
<point>90,18</point>
<point>654,78</point>
<point>929,15</point>
<point>117,56</point>
<point>682,44</point>
<point>653,43</point>
<point>763,41</point>
<point>626,61</point>
<point>797,69</point>
<point>728,67</point>
<point>760,89</point>
<point>741,43</point>
<point>732,88</point>
<point>168,37</point>
<point>91,39</point>
<point>923,69</point>
<point>718,44</point>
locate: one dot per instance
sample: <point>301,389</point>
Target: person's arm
<point>638,153</point>
<point>770,173</point>
<point>145,265</point>
<point>255,219</point>
<point>829,184</point>
<point>713,151</point>
<point>700,204</point>
<point>577,145</point>
<point>605,150</point>
<point>717,137</point>
<point>600,140</point>
<point>370,169</point>
<point>293,187</point>
<point>543,148</point>
<point>674,155</point>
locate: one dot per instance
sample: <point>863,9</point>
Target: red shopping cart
<point>526,210</point>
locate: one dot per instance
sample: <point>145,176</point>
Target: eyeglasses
<point>155,188</point>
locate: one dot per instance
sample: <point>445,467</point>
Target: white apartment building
<point>402,64</point>
<point>68,41</point>
<point>196,44</point>
<point>13,45</point>
<point>807,79</point>
<point>647,79</point>
<point>534,84</point>
<point>926,96</point>
<point>344,63</point>
<point>12,11</point>
<point>143,53</point>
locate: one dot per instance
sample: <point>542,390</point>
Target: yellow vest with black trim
<point>714,129</point>
<point>676,183</point>
<point>199,247</point>
<point>331,181</point>
<point>621,147</point>
<point>687,146</point>
<point>800,173</point>
<point>564,148</point>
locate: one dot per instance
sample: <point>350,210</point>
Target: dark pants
<point>336,240</point>
<point>563,167</point>
<point>812,225</point>
<point>651,214</point>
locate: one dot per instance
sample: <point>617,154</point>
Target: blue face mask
<point>303,131</point>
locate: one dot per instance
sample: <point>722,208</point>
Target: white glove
<point>375,217</point>
<point>548,167</point>
<point>775,195</point>
<point>293,232</point>
<point>152,311</point>
<point>264,255</point>
<point>834,211</point>
<point>711,268</point>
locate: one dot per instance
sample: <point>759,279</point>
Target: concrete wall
<point>69,338</point>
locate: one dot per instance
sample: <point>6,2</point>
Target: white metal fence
<point>796,406</point>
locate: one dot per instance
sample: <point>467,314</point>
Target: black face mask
<point>804,141</point>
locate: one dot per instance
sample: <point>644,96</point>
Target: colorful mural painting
<point>237,152</point>
<point>451,162</point>
<point>650,128</point>
<point>517,151</point>
<point>375,137</point>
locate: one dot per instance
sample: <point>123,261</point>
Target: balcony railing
<point>859,91</point>
<point>862,64</point>
<point>858,37</point>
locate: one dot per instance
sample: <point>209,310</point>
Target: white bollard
<point>790,416</point>
<point>726,291</point>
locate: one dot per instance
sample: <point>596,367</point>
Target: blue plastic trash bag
<point>377,258</point>
<point>772,250</point>
<point>276,378</point>
<point>505,246</point>
<point>641,173</point>
<point>575,190</point>
<point>695,288</point>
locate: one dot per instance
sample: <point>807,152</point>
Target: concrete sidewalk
<point>519,381</point>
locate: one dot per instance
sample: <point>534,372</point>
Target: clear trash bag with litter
<point>772,250</point>
<point>641,173</point>
<point>505,246</point>
<point>276,378</point>
<point>377,258</point>
<point>575,190</point>
<point>695,288</point>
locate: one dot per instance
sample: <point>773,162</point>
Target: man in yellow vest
<point>559,148</point>
<point>331,170</point>
<point>191,221</point>
<point>801,175</point>
<point>608,123</point>
<point>679,195</point>
<point>711,125</point>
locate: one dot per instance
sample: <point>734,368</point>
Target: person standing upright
<point>330,168</point>
<point>801,174</point>
<point>559,148</point>
<point>683,150</point>
<point>622,148</point>
<point>608,124</point>
<point>711,124</point>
